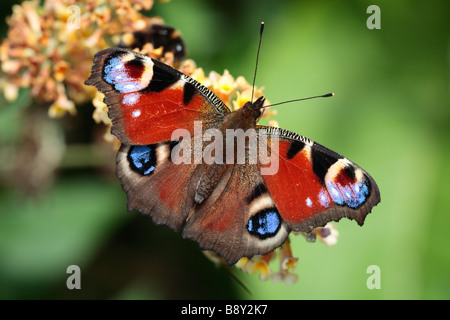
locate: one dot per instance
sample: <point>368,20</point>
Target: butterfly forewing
<point>148,100</point>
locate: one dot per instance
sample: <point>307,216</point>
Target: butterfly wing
<point>313,185</point>
<point>148,100</point>
<point>154,184</point>
<point>239,218</point>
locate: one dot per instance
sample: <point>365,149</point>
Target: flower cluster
<point>50,46</point>
<point>287,263</point>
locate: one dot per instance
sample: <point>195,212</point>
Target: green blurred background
<point>390,114</point>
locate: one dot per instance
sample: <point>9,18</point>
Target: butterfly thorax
<point>246,117</point>
<point>240,121</point>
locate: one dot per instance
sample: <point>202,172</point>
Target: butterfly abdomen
<point>208,181</point>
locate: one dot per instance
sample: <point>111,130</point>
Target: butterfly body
<point>246,117</point>
<point>236,205</point>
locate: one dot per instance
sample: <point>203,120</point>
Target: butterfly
<point>228,207</point>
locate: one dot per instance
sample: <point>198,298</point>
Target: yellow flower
<point>241,99</point>
<point>260,265</point>
<point>61,105</point>
<point>101,110</point>
<point>255,265</point>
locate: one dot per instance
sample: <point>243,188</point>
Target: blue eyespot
<point>116,73</point>
<point>142,159</point>
<point>353,195</point>
<point>265,223</point>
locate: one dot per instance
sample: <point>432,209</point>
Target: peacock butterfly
<point>226,205</point>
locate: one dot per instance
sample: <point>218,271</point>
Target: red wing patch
<point>148,100</point>
<point>314,185</point>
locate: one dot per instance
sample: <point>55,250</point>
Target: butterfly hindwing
<point>239,219</point>
<point>154,184</point>
<point>148,100</point>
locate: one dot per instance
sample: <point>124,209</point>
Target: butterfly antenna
<point>322,96</point>
<point>257,57</point>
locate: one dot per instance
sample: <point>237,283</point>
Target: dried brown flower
<point>50,46</point>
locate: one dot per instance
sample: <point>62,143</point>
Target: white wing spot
<point>136,113</point>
